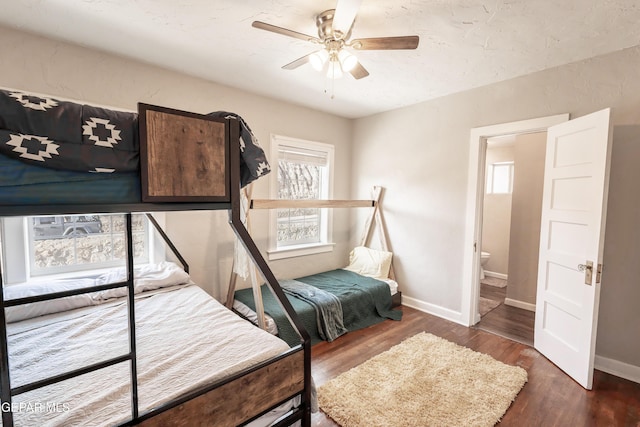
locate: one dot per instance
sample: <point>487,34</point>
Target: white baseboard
<point>436,310</point>
<point>496,275</point>
<point>520,304</point>
<point>617,368</point>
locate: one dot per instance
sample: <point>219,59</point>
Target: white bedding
<point>147,277</point>
<point>185,338</point>
<point>393,285</point>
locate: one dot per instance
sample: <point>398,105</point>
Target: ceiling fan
<point>334,33</point>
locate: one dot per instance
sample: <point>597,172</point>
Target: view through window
<point>500,178</point>
<point>59,244</point>
<point>304,170</point>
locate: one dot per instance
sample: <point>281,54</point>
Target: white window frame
<point>491,184</point>
<point>15,253</point>
<point>326,236</point>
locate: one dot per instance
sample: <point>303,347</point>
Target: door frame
<point>475,200</point>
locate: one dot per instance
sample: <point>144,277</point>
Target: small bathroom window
<point>500,178</point>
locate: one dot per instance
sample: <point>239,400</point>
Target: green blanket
<point>365,302</point>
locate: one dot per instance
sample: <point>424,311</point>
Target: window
<point>304,173</point>
<point>59,244</point>
<point>68,244</point>
<point>500,178</point>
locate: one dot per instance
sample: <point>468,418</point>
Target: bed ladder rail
<point>7,392</point>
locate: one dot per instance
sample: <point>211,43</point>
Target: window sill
<point>300,250</point>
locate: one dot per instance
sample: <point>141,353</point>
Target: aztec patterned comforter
<point>68,136</point>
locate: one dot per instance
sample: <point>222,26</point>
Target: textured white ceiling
<point>463,43</point>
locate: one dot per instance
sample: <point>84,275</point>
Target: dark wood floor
<point>507,321</point>
<point>550,398</point>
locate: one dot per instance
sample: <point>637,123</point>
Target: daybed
<point>158,160</point>
<point>363,301</point>
<point>334,302</point>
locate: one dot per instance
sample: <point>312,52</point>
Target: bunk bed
<point>329,303</point>
<point>156,160</point>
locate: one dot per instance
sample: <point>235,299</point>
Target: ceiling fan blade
<point>386,43</point>
<point>298,62</point>
<point>284,31</point>
<point>345,14</point>
<point>359,71</point>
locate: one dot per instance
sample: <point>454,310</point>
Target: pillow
<point>35,309</point>
<point>370,262</point>
<point>146,278</point>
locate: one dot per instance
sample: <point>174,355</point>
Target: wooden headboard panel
<point>184,157</point>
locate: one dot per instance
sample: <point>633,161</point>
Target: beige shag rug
<point>423,381</point>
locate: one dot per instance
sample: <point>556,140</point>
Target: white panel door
<point>571,239</point>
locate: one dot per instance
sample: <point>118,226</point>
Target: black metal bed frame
<point>232,127</point>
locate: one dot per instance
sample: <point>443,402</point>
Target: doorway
<point>510,229</point>
<point>572,230</point>
<point>475,195</point>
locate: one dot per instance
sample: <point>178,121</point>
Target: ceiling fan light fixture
<point>318,59</point>
<point>347,60</point>
<point>334,35</point>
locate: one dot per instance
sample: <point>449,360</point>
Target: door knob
<point>588,272</point>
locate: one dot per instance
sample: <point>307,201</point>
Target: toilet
<point>484,257</point>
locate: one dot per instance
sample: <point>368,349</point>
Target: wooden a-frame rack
<point>374,219</point>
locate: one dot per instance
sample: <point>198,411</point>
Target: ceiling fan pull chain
<point>333,82</point>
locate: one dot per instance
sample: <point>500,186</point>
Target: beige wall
<point>526,213</point>
<point>425,149</point>
<point>619,325</point>
<point>39,65</point>
<point>496,215</point>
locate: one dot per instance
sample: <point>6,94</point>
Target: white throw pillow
<point>370,262</point>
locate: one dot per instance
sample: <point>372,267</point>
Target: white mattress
<point>393,285</point>
<point>184,339</point>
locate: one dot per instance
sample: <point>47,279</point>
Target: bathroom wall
<point>496,215</point>
<point>526,211</point>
